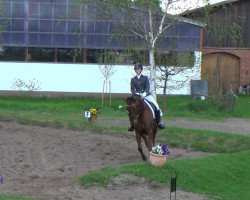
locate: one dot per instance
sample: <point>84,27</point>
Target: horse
<point>144,123</point>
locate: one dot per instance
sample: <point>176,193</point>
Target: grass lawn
<point>61,111</point>
<point>226,175</point>
<point>12,197</point>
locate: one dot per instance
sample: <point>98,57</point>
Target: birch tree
<point>146,19</point>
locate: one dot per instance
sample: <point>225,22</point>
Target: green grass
<point>71,109</point>
<point>203,140</point>
<point>185,106</point>
<point>225,176</point>
<point>12,197</point>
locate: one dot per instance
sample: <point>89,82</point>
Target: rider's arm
<point>132,86</point>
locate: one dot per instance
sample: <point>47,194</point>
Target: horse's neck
<point>144,107</point>
<point>145,117</point>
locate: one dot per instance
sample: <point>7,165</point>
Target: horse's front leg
<point>138,138</point>
<point>149,140</point>
<point>153,135</point>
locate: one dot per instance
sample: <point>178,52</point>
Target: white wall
<point>74,77</point>
<point>186,76</point>
<point>64,77</point>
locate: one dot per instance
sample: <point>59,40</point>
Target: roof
<point>224,2</point>
<point>191,21</point>
<point>213,5</point>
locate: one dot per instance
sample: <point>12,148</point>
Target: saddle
<point>152,107</point>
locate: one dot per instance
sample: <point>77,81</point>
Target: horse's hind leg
<point>138,138</point>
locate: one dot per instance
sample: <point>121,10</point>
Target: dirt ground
<point>45,162</point>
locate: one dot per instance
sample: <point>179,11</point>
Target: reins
<point>137,108</point>
<point>130,105</point>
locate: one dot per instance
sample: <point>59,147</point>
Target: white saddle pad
<point>152,110</point>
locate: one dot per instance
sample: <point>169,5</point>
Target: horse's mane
<point>134,98</point>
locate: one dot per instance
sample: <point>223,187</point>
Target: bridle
<point>138,111</point>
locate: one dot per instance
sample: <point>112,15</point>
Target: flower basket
<point>92,115</point>
<point>156,159</point>
<point>93,118</point>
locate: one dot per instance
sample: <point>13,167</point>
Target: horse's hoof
<point>161,126</point>
<point>131,129</point>
<point>144,159</point>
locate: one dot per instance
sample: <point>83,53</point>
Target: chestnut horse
<point>144,123</point>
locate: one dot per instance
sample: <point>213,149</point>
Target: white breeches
<point>151,99</point>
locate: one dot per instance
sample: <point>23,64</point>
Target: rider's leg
<point>158,119</point>
<point>151,99</point>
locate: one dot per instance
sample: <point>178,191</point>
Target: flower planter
<point>93,118</point>
<point>157,160</point>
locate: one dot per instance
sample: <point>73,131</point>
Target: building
<point>226,51</point>
<point>41,39</point>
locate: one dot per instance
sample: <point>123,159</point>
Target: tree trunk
<point>165,91</point>
<point>152,72</point>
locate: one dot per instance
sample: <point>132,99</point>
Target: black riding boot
<point>131,128</point>
<point>158,119</point>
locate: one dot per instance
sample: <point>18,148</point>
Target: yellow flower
<point>93,111</point>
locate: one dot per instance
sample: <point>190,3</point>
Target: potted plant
<point>158,154</point>
<point>93,115</point>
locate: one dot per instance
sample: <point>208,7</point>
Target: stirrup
<point>161,126</point>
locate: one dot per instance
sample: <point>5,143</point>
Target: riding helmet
<point>138,65</point>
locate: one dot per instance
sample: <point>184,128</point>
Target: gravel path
<point>231,125</point>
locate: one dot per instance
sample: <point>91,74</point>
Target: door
<point>222,71</point>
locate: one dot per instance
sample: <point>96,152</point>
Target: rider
<point>140,87</point>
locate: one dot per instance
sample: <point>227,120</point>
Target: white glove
<point>144,94</point>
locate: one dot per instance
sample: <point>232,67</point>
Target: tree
<point>146,19</point>
<point>175,64</point>
<point>106,62</point>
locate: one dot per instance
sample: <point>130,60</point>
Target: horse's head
<point>133,106</point>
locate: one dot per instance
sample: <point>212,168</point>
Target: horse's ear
<point>125,99</point>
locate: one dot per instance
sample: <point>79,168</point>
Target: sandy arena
<point>45,162</point>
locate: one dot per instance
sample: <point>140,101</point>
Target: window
<point>70,55</point>
<point>12,53</point>
<point>41,55</point>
